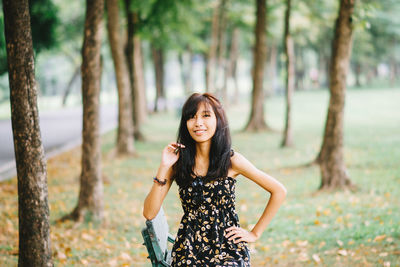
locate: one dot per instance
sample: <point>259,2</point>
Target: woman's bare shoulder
<point>237,161</point>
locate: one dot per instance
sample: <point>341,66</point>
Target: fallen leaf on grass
<point>125,256</point>
<point>379,238</point>
<point>87,237</point>
<point>61,255</point>
<point>301,243</point>
<point>303,257</point>
<point>342,252</point>
<point>316,258</point>
<point>113,262</point>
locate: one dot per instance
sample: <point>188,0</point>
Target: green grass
<point>340,228</point>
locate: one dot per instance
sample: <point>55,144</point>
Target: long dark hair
<point>220,151</point>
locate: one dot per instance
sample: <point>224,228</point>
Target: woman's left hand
<point>238,234</point>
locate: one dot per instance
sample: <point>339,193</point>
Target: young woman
<point>205,168</point>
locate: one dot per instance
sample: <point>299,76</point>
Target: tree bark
<point>67,90</point>
<point>212,52</point>
<point>136,74</point>
<point>125,140</point>
<point>33,209</point>
<point>90,203</point>
<point>357,71</point>
<point>272,68</point>
<point>333,170</point>
<point>140,103</point>
<point>256,121</point>
<point>234,61</point>
<point>231,66</point>
<point>221,66</point>
<point>289,51</point>
<point>393,71</point>
<point>158,59</point>
<point>186,62</point>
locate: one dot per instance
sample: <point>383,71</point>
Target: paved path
<point>61,129</point>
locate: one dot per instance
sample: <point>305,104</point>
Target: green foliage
<point>44,21</point>
<point>172,24</point>
<point>3,52</point>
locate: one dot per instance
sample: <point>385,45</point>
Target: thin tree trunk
<point>33,208</point>
<point>206,70</point>
<point>158,59</point>
<point>328,64</point>
<point>393,71</point>
<point>90,202</point>
<point>234,61</point>
<point>256,121</point>
<point>185,61</point>
<point>140,105</point>
<point>67,90</point>
<point>333,169</point>
<point>272,55</point>
<point>231,65</point>
<point>125,141</point>
<point>136,73</point>
<point>221,66</point>
<point>358,73</point>
<point>212,52</point>
<point>289,51</point>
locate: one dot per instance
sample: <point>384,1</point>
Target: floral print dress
<point>209,209</point>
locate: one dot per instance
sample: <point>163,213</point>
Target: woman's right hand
<point>170,154</point>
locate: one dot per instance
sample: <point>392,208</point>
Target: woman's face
<point>203,124</point>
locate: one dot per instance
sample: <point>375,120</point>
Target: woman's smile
<point>200,131</point>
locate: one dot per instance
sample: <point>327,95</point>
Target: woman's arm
<point>278,193</point>
<point>158,192</point>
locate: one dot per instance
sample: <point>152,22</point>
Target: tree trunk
<point>234,54</point>
<point>67,90</point>
<point>231,66</point>
<point>221,66</point>
<point>158,59</point>
<point>393,71</point>
<point>136,73</point>
<point>90,203</point>
<point>125,141</point>
<point>139,88</point>
<point>212,52</point>
<point>206,70</point>
<point>328,65</point>
<point>333,169</point>
<point>186,62</point>
<point>256,121</point>
<point>289,51</point>
<point>299,70</point>
<point>33,209</point>
<point>272,69</point>
<point>358,73</point>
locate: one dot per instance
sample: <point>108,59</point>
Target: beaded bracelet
<point>156,180</point>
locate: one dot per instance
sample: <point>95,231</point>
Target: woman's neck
<point>202,158</point>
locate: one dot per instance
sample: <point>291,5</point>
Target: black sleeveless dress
<point>209,209</point>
